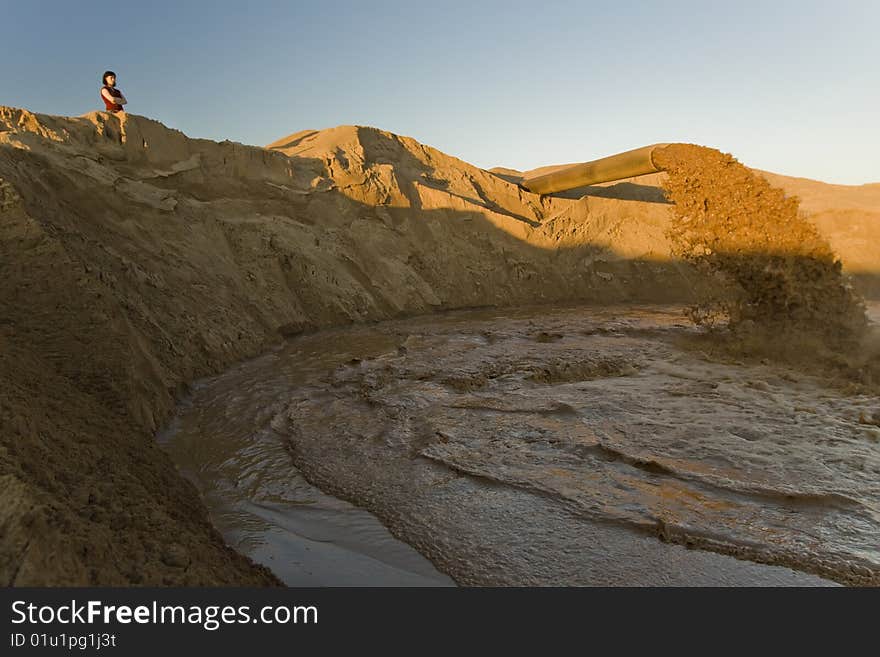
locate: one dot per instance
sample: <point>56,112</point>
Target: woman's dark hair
<point>106,73</point>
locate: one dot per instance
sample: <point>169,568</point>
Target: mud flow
<point>223,440</point>
<point>538,446</point>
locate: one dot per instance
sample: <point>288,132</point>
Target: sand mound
<point>134,260</point>
<point>781,289</point>
<point>730,221</point>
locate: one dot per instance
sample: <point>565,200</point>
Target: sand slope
<point>134,260</point>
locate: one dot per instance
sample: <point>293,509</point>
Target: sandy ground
<point>134,260</point>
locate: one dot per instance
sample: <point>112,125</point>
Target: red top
<point>112,107</point>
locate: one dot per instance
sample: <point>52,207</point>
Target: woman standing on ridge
<point>112,97</point>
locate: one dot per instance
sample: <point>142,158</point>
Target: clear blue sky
<point>788,86</point>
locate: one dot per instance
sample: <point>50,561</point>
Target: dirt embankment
<point>134,260</point>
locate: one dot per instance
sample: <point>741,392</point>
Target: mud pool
<point>533,446</point>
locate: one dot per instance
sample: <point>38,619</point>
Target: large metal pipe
<point>632,163</point>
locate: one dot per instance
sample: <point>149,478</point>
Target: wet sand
<point>535,446</point>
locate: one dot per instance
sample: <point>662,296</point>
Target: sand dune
<point>134,260</point>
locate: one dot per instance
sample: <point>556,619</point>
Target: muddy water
<point>221,439</point>
<point>534,446</point>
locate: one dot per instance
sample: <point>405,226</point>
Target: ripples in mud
<point>221,439</point>
<point>573,446</point>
